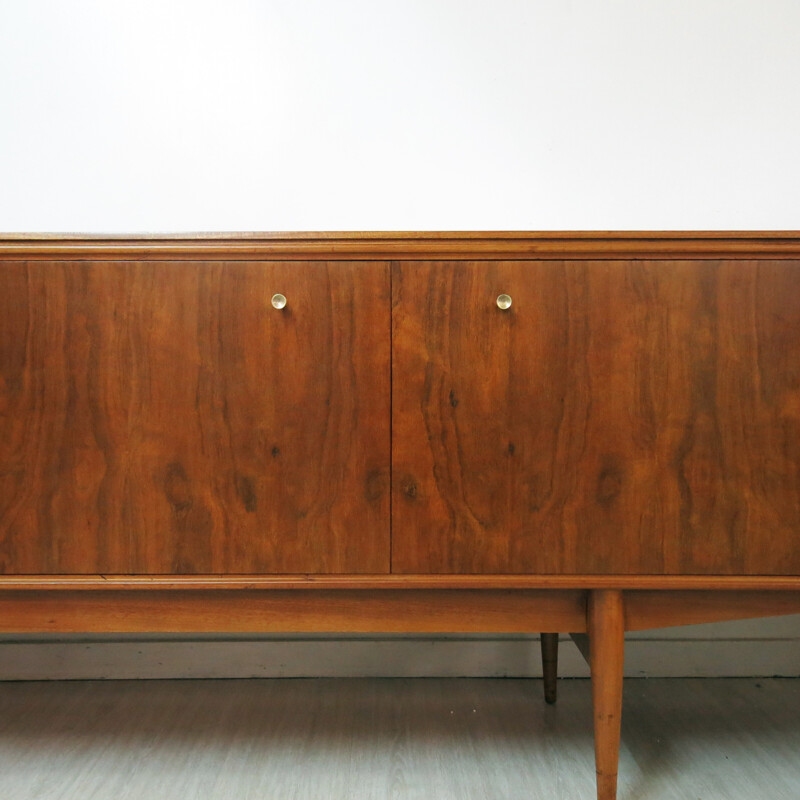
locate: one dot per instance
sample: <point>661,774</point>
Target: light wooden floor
<point>374,738</point>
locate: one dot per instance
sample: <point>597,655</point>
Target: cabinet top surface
<point>348,245</point>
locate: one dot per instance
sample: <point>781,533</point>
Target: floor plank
<point>394,739</point>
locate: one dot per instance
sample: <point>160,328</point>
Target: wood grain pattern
<point>345,608</point>
<point>606,628</point>
<point>409,245</point>
<point>622,417</point>
<point>366,582</point>
<point>164,418</point>
<point>649,609</point>
<point>340,610</point>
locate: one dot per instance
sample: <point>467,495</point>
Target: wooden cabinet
<point>612,447</point>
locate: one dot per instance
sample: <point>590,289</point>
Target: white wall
<point>424,114</point>
<point>732,649</point>
<point>415,114</point>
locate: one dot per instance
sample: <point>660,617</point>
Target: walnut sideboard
<point>428,432</point>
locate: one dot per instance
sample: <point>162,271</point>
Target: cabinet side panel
<point>620,417</point>
<point>163,417</point>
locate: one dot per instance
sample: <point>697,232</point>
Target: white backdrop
<point>422,114</point>
<point>418,115</point>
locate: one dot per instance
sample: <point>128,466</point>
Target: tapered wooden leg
<point>606,623</point>
<point>550,665</point>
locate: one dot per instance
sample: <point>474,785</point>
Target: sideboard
<point>585,433</point>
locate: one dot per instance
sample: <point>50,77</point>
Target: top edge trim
<point>394,235</point>
<point>408,245</point>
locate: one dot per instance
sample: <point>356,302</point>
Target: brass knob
<point>504,302</point>
<point>279,301</point>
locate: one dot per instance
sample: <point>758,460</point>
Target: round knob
<point>279,301</point>
<point>504,302</point>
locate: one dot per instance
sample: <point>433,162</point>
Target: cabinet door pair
<point>616,417</point>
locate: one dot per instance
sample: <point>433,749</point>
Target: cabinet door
<point>164,417</point>
<point>619,417</point>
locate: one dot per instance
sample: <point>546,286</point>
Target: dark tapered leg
<point>606,623</point>
<point>550,665</point>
